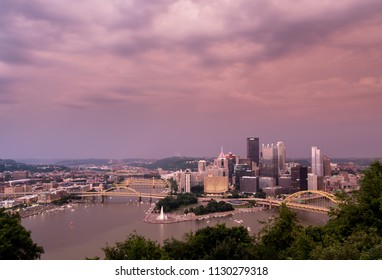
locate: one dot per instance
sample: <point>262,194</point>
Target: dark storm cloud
<point>191,68</point>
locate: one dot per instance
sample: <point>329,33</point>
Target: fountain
<point>162,216</point>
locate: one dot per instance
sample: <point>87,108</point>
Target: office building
<point>217,179</point>
<point>269,162</point>
<point>232,159</point>
<point>253,149</point>
<point>315,182</point>
<point>299,178</point>
<point>202,166</point>
<point>267,182</point>
<point>249,184</point>
<point>327,166</point>
<point>317,162</point>
<point>241,170</point>
<point>281,154</point>
<point>186,182</point>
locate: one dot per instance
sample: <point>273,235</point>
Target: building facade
<point>281,154</point>
<point>253,149</point>
<point>317,162</point>
<point>269,162</point>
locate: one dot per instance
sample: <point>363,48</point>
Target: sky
<point>154,79</point>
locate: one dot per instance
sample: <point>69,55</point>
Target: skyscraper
<point>317,162</point>
<point>299,178</point>
<point>281,153</point>
<point>327,167</point>
<point>269,162</point>
<point>216,180</point>
<point>253,149</point>
<point>202,166</point>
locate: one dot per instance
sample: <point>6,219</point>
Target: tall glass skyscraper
<point>269,162</point>
<point>281,153</point>
<point>317,162</point>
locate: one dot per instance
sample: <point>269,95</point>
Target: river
<point>82,230</point>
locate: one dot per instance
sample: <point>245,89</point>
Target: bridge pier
<point>102,199</point>
<point>140,199</point>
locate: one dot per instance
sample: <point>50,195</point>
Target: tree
<point>354,230</point>
<point>362,210</point>
<point>135,247</point>
<point>15,241</point>
<point>214,243</point>
<point>275,239</point>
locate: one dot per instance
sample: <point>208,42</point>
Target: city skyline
<point>154,79</point>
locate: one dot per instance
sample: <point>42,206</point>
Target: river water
<point>82,230</point>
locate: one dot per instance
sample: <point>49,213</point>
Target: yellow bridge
<point>144,182</point>
<point>290,200</point>
<point>126,189</point>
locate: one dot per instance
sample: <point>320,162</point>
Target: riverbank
<point>41,209</point>
<point>171,218</point>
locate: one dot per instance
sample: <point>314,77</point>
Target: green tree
<point>15,241</point>
<point>217,243</point>
<point>276,237</point>
<point>362,210</point>
<point>135,247</point>
<point>354,230</point>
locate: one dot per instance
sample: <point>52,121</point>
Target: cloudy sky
<point>151,79</point>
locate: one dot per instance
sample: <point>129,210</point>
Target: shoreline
<point>41,209</point>
<point>177,218</point>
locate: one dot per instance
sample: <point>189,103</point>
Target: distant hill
<point>176,163</point>
<point>12,165</point>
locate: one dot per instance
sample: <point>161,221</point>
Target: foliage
<point>277,235</point>
<point>15,240</point>
<point>260,195</point>
<point>198,190</point>
<point>236,194</point>
<point>170,203</point>
<point>11,165</point>
<point>135,247</point>
<point>217,243</point>
<point>212,207</point>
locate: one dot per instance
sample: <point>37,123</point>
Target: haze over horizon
<point>154,79</point>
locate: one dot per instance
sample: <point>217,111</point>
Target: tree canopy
<point>15,241</point>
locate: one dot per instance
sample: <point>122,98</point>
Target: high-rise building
<point>269,162</point>
<point>249,184</point>
<point>327,166</point>
<point>317,162</point>
<point>186,183</point>
<point>221,164</point>
<point>312,182</point>
<point>299,178</point>
<point>253,149</point>
<point>232,159</point>
<point>241,170</point>
<point>315,182</point>
<point>202,166</point>
<point>281,153</point>
<point>217,179</point>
